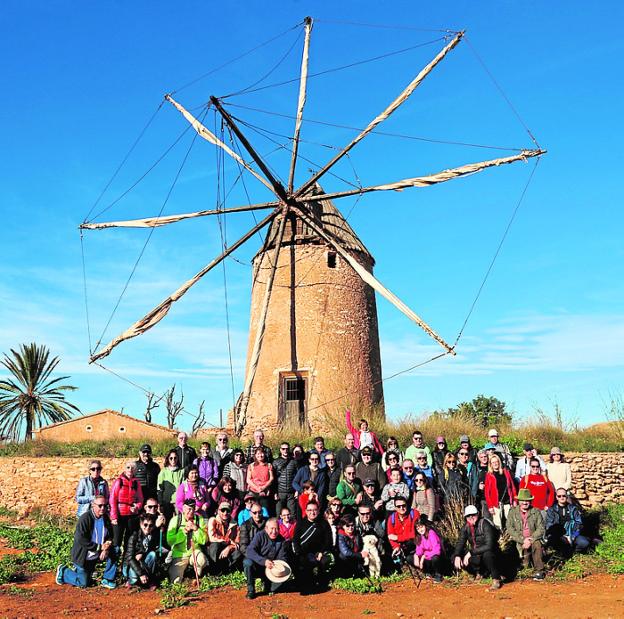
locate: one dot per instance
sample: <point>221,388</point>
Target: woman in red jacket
<point>500,491</point>
<point>540,486</point>
<point>126,500</point>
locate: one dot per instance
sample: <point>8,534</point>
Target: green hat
<point>524,494</point>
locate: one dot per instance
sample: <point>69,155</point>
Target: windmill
<point>286,376</point>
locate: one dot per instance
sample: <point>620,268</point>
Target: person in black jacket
<point>139,563</point>
<point>252,526</point>
<point>333,472</point>
<point>93,543</point>
<point>265,548</point>
<point>146,472</point>
<point>482,539</point>
<point>285,467</point>
<point>312,544</point>
<point>186,453</point>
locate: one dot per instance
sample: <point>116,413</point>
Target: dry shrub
<point>452,521</point>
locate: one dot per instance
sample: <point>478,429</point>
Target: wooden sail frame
<point>291,200</point>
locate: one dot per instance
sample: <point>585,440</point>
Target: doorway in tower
<point>293,393</point>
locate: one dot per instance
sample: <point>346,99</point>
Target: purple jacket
<point>429,546</point>
<point>208,471</point>
<point>201,496</point>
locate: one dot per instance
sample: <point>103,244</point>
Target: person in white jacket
<point>559,471</point>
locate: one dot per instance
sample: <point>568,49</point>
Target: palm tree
<point>31,397</point>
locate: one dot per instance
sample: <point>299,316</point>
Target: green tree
<point>31,397</point>
<point>486,411</point>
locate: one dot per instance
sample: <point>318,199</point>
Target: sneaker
<point>437,579</point>
<point>496,585</point>
<point>108,584</point>
<point>539,576</point>
<point>59,575</point>
<point>250,595</point>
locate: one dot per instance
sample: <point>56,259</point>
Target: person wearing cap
<point>349,454</point>
<point>418,444</point>
<point>367,469</point>
<point>523,466</point>
<point>558,470</point>
<point>502,449</point>
<point>428,554</point>
<point>245,514</point>
<point>371,498</point>
<point>146,471</point>
<point>480,538</point>
<point>465,444</point>
<point>499,491</point>
<point>439,453</point>
<point>563,526</point>
<point>539,486</point>
<point>185,536</point>
<point>223,540</point>
<point>394,489</point>
<point>266,557</point>
<point>525,526</point>
<point>349,490</point>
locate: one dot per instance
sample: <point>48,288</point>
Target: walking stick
<point>194,557</point>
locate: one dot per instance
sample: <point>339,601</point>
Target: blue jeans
<point>81,576</point>
<point>149,562</point>
<point>581,543</point>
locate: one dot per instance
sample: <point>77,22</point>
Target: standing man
<point>481,556</point>
<point>563,526</point>
<point>523,466</point>
<point>348,454</point>
<point>525,526</point>
<point>146,471</point>
<point>258,437</point>
<point>367,469</point>
<point>285,467</point>
<point>333,473</point>
<point>266,548</point>
<point>186,453</point>
<point>319,448</point>
<point>502,449</point>
<point>223,452</point>
<point>418,444</point>
<point>93,544</point>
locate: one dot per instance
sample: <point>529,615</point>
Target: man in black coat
<point>251,527</point>
<point>186,453</point>
<point>140,558</point>
<point>93,543</point>
<point>285,467</point>
<point>348,454</point>
<point>146,472</point>
<point>312,544</point>
<point>482,539</point>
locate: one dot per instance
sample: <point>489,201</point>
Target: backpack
<point>393,516</point>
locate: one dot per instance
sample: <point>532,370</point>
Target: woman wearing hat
<point>558,470</point>
<point>428,555</point>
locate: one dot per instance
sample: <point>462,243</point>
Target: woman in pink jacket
<point>428,554</point>
<point>362,436</point>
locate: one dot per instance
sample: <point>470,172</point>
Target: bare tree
<point>174,407</point>
<point>152,403</point>
<point>200,420</point>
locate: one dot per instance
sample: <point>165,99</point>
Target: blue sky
<point>80,82</point>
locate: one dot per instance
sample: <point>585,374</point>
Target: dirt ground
<point>596,596</point>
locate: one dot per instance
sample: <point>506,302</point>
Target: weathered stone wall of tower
<point>322,321</point>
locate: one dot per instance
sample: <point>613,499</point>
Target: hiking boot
<point>437,579</point>
<point>59,575</point>
<point>478,577</point>
<point>496,584</point>
<point>108,584</point>
<point>539,576</point>
<point>251,595</point>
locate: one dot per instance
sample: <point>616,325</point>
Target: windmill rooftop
<point>314,346</point>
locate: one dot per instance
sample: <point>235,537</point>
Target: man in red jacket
<point>540,487</point>
<point>400,529</point>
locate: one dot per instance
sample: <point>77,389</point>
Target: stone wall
<point>50,483</point>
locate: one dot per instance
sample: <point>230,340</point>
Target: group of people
<point>361,510</point>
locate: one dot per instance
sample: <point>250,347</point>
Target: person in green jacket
<point>186,535</point>
<point>170,477</point>
<point>525,526</point>
<point>349,490</point>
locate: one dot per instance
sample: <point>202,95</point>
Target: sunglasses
<point>392,458</point>
<point>151,506</point>
<point>225,510</point>
<point>329,460</point>
<point>314,459</point>
<point>100,505</point>
<point>535,467</point>
<point>147,525</point>
<point>419,480</point>
<point>365,513</point>
<point>172,458</point>
<point>400,506</point>
<point>463,453</point>
<point>96,468</point>
<point>421,458</point>
<point>562,496</point>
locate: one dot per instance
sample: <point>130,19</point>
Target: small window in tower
<point>122,428</point>
<point>89,428</point>
<point>295,389</point>
<point>331,259</point>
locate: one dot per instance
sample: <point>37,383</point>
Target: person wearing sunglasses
<point>93,544</point>
<point>91,486</point>
<point>423,497</point>
<point>367,469</point>
<point>252,526</point>
<point>523,465</point>
<point>285,468</point>
<point>223,540</point>
<point>186,535</point>
<point>418,444</point>
<point>223,452</point>
<point>454,482</point>
<point>563,526</point>
<point>314,473</point>
<point>139,563</point>
<point>126,501</point>
<point>169,479</point>
<point>400,527</point>
<point>539,486</point>
<point>146,471</point>
<point>333,472</point>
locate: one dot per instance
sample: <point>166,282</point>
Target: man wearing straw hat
<point>525,526</point>
<point>266,559</point>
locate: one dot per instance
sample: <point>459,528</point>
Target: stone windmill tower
<point>313,336</point>
<point>321,345</point>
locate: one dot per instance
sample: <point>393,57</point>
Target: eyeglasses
<point>95,468</point>
<point>562,496</point>
<point>147,525</point>
<point>421,458</point>
<point>283,448</point>
<point>420,480</point>
<point>390,458</point>
<point>349,472</point>
<point>314,459</point>
<point>463,453</point>
<point>408,468</point>
<point>100,505</point>
<point>172,458</point>
<point>329,460</point>
<point>402,506</point>
<point>348,526</point>
<point>151,506</point>
<point>535,466</point>
<point>225,510</point>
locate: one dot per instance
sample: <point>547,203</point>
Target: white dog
<point>373,561</point>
